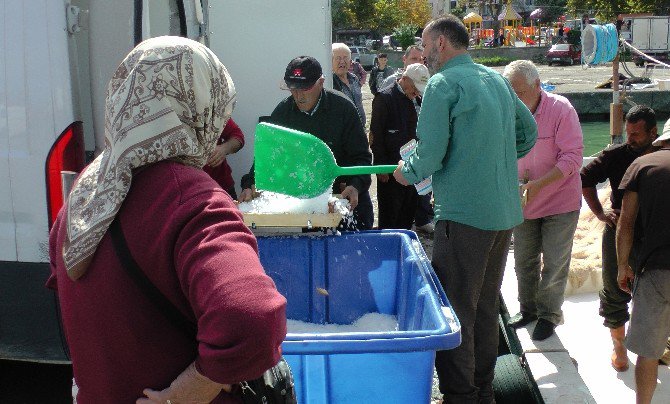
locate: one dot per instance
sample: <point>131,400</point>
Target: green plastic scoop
<point>299,164</point>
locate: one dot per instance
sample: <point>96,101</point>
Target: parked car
<point>373,44</point>
<point>564,53</point>
<point>363,56</point>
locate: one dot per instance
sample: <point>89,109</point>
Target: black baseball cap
<point>302,72</point>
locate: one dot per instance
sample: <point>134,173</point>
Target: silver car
<point>363,56</point>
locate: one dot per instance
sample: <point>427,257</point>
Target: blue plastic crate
<point>377,271</point>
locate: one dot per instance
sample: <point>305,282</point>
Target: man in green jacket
<point>472,128</point>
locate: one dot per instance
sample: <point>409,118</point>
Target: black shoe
<point>520,319</point>
<point>543,330</point>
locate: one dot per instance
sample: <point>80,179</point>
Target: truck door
<point>640,33</point>
<point>255,40</point>
<point>658,39</point>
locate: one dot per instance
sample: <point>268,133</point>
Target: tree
<point>342,14</point>
<point>414,12</point>
<point>405,35</point>
<point>658,7</point>
<point>364,11</point>
<point>387,16</point>
<point>552,9</point>
<point>604,10</point>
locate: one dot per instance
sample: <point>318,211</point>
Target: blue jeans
<point>542,250</point>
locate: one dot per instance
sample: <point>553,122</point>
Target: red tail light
<point>66,154</point>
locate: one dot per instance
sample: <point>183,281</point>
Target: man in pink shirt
<point>553,195</point>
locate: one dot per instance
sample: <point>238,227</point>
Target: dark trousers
<point>613,301</point>
<point>397,204</point>
<point>424,210</point>
<point>470,264</point>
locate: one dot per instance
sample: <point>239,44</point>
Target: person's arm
<point>217,264</point>
<point>373,81</point>
<point>624,239</point>
<point>390,80</point>
<point>568,139</point>
<point>231,141</point>
<point>361,73</point>
<point>590,195</point>
<point>593,174</point>
<point>535,186</point>
<point>189,387</point>
<point>248,185</point>
<point>220,274</point>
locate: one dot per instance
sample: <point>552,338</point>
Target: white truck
<point>649,34</point>
<point>56,58</point>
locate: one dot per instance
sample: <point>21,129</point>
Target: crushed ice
<point>370,322</point>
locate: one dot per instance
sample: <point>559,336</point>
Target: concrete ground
<point>567,79</point>
<point>584,79</point>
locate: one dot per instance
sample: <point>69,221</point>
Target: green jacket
<point>472,129</point>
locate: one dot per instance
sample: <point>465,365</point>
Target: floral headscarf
<point>168,100</point>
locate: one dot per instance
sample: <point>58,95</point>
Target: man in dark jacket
<point>379,73</point>
<point>393,124</point>
<point>331,117</point>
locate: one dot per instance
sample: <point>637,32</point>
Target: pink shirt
<point>188,237</point>
<point>559,144</point>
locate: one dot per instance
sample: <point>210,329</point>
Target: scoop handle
<point>358,170</point>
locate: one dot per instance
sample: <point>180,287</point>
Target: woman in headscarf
<point>166,105</point>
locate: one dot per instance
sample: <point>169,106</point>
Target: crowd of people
<point>506,162</point>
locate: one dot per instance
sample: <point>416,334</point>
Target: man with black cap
<point>333,118</point>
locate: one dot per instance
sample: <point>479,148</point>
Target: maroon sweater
<point>188,237</point>
<point>222,173</point>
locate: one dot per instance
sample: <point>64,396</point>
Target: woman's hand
<point>189,387</point>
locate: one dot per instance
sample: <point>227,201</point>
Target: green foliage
<point>387,16</point>
<point>381,16</point>
<point>364,11</point>
<point>405,35</point>
<point>342,14</point>
<point>459,11</point>
<point>493,61</point>
<point>658,7</point>
<point>575,36</point>
<point>352,13</point>
<point>538,59</point>
<point>605,10</point>
<point>552,9</point>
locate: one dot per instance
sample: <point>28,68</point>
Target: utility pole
<point>616,108</point>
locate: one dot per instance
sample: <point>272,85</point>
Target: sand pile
<point>585,267</point>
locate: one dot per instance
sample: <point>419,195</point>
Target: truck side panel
<point>256,39</point>
<point>659,34</point>
<point>36,107</point>
<point>650,34</point>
